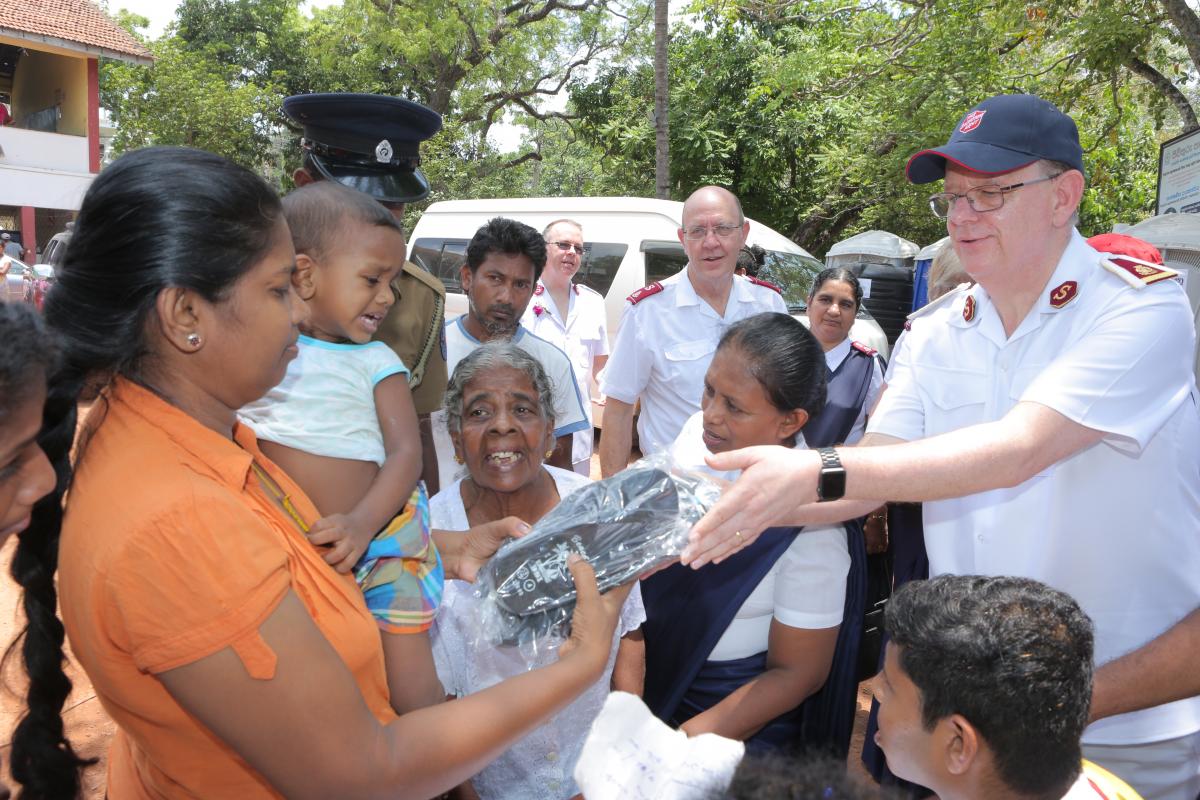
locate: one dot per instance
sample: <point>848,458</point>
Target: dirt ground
<point>90,729</point>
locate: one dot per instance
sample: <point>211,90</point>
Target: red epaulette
<point>1142,271</point>
<point>862,348</point>
<point>768,284</point>
<point>644,292</point>
<point>539,290</point>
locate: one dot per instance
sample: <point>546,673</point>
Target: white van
<point>630,242</point>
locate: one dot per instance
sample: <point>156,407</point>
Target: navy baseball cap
<point>368,142</point>
<point>1003,133</point>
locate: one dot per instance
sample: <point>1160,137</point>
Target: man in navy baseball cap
<point>1002,134</point>
<point>1045,416</point>
<point>368,142</point>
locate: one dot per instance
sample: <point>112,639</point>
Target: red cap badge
<point>1063,294</point>
<point>969,309</point>
<point>971,121</point>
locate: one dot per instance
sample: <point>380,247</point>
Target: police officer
<point>370,143</point>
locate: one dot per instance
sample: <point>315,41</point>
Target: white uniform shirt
<point>569,413</point>
<point>664,346</point>
<point>833,360</point>
<point>1117,525</point>
<point>540,765</point>
<point>325,404</point>
<point>582,336</point>
<point>805,588</point>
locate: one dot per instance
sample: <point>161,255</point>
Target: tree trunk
<point>1163,84</point>
<point>662,150</point>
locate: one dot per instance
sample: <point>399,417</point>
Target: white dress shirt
<point>664,346</point>
<point>583,336</point>
<point>1116,525</point>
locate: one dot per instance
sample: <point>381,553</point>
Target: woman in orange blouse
<point>235,662</point>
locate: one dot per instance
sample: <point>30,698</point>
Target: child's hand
<point>346,537</point>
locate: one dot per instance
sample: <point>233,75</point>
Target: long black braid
<point>155,218</point>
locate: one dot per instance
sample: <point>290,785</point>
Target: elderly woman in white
<point>499,413</point>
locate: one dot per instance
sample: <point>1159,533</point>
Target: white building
<point>49,82</point>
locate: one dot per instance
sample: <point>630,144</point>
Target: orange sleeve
<point>201,576</point>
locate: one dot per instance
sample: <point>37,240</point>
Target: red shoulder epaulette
<point>540,288</point>
<point>862,348</point>
<point>768,284</point>
<point>1145,272</point>
<point>644,292</point>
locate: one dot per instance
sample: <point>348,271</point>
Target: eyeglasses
<point>565,246</point>
<point>981,199</point>
<point>698,233</point>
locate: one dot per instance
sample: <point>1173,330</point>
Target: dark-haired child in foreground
<point>343,426</point>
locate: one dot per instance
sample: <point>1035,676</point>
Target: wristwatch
<point>831,483</point>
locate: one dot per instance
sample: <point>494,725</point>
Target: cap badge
<point>383,152</point>
<point>969,309</point>
<point>1063,294</point>
<point>971,121</point>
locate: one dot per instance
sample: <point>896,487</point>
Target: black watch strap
<point>831,483</point>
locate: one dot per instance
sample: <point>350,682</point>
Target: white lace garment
<point>540,766</point>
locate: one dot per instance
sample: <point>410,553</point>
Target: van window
<point>663,259</point>
<point>793,273</point>
<point>443,258</point>
<point>601,260</point>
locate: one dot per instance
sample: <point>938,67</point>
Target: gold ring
<point>738,534</point>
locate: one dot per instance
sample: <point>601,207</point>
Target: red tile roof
<point>74,21</point>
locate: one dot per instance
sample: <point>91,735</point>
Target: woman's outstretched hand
<point>465,552</point>
<point>595,616</point>
<point>775,483</point>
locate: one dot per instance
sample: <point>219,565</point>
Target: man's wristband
<point>831,482</point>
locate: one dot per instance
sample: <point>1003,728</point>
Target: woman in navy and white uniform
<point>854,376</point>
<point>754,648</point>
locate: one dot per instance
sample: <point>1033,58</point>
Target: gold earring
<point>459,458</point>
<point>550,452</point>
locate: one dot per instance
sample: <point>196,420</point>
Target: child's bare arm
<point>350,533</point>
<point>412,679</point>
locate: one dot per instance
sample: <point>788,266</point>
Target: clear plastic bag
<point>626,525</point>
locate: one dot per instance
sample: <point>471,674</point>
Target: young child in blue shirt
<point>343,426</point>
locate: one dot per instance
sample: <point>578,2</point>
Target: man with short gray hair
<point>571,316</point>
<point>670,329</point>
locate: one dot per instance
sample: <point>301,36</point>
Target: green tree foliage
<point>188,99</point>
<point>224,66</point>
<point>810,110</point>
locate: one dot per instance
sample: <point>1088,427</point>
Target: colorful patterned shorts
<point>401,572</point>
